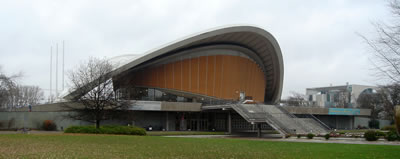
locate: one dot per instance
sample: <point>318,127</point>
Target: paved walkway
<point>303,139</point>
<point>291,139</point>
<point>31,132</point>
<point>203,136</point>
<point>331,140</point>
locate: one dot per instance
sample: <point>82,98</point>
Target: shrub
<point>287,135</point>
<point>391,136</point>
<point>107,129</point>
<point>389,128</point>
<point>371,135</point>
<point>361,127</point>
<point>397,119</point>
<point>49,125</point>
<point>310,136</point>
<point>373,124</point>
<point>298,136</point>
<point>380,133</point>
<point>327,136</point>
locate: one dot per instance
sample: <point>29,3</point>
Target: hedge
<point>107,129</point>
<point>310,136</point>
<point>371,135</point>
<point>49,125</point>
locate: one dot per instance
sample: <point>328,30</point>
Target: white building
<point>344,96</point>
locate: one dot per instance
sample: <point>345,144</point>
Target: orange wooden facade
<point>221,76</point>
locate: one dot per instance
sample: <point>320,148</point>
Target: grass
<point>121,146</point>
<point>356,130</point>
<point>172,133</point>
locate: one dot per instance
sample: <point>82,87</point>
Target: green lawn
<point>114,146</point>
<point>172,133</point>
<point>356,130</point>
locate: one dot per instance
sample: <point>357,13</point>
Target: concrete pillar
<point>229,123</point>
<point>166,121</point>
<point>198,122</point>
<point>336,121</point>
<point>259,130</point>
<point>351,122</point>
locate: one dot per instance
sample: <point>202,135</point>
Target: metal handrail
<point>285,111</point>
<point>280,125</point>
<point>320,122</point>
<point>275,121</point>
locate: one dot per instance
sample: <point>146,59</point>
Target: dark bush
<point>298,136</point>
<point>361,127</point>
<point>391,136</point>
<point>373,124</point>
<point>380,133</point>
<point>49,125</point>
<point>327,136</point>
<point>310,136</point>
<point>287,135</point>
<point>390,128</point>
<point>371,135</point>
<point>107,129</point>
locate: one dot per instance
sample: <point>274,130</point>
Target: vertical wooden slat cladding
<point>218,76</point>
<point>210,75</point>
<point>226,77</point>
<point>202,74</point>
<point>185,75</point>
<point>163,76</point>
<point>221,76</point>
<point>194,64</point>
<point>169,72</point>
<point>177,75</point>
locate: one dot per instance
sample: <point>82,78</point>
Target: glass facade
<point>150,94</point>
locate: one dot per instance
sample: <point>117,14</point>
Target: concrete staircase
<point>278,118</point>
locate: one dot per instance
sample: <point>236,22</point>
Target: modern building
<point>227,79</point>
<point>171,85</point>
<point>344,96</point>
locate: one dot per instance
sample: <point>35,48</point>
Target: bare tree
<point>342,99</point>
<point>8,90</point>
<point>386,46</point>
<point>371,101</point>
<point>390,97</point>
<point>296,99</point>
<point>386,60</point>
<point>29,95</point>
<point>92,80</point>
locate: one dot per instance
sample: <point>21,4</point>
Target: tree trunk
<point>397,118</point>
<point>97,124</point>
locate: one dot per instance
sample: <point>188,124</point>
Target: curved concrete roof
<point>255,39</point>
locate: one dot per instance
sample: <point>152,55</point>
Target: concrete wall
<point>180,106</point>
<point>363,121</point>
<point>337,121</point>
<point>34,120</point>
<point>319,111</point>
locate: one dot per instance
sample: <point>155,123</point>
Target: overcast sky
<point>318,39</point>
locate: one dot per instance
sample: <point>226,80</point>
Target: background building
<point>337,96</point>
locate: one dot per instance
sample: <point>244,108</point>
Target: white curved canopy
<point>263,47</point>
